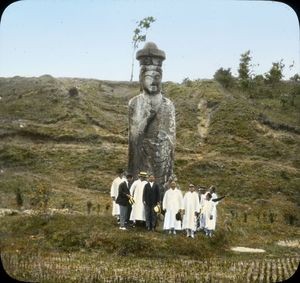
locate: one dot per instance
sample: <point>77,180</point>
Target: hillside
<point>76,141</point>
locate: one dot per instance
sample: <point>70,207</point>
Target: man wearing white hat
<point>137,190</point>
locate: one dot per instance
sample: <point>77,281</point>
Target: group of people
<point>143,200</point>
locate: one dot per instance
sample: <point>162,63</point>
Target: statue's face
<point>151,82</point>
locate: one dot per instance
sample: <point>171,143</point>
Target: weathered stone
<point>151,120</point>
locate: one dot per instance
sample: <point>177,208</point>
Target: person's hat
<point>143,174</point>
<point>157,209</point>
<point>120,171</point>
<point>191,185</point>
<point>178,216</point>
<point>129,175</point>
<point>150,55</point>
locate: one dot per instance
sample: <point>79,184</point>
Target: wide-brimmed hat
<point>143,174</point>
<point>157,209</point>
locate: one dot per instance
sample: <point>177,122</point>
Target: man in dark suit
<point>151,198</point>
<point>123,199</point>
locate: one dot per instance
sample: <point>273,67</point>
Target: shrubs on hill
<point>224,77</point>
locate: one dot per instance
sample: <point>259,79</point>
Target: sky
<point>93,39</point>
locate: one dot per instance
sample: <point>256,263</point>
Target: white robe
<point>202,220</point>
<point>207,211</point>
<point>138,208</point>
<point>191,204</point>
<point>214,212</point>
<point>114,192</point>
<point>172,202</point>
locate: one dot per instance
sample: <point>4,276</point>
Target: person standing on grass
<point>123,199</point>
<point>191,207</point>
<point>207,212</point>
<point>114,191</point>
<point>214,198</point>
<point>172,204</point>
<point>202,197</point>
<point>137,190</point>
<point>151,198</point>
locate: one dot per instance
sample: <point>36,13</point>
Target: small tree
<point>89,206</point>
<point>224,77</point>
<point>244,69</point>
<point>19,198</point>
<point>139,35</point>
<point>295,78</point>
<point>40,196</point>
<point>187,82</point>
<point>275,74</point>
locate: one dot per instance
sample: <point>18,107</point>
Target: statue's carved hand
<point>152,113</point>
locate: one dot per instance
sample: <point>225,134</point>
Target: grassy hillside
<point>67,136</point>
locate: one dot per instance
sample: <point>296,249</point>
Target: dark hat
<point>150,55</point>
<point>120,171</point>
<point>129,175</point>
<point>178,216</point>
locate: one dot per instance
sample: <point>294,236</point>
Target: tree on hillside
<point>295,78</point>
<point>244,69</point>
<point>224,77</point>
<point>139,35</point>
<point>275,74</point>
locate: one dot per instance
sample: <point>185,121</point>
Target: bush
<point>224,77</point>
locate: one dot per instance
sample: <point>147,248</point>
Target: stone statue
<point>151,120</point>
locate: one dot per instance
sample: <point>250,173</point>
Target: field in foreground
<point>91,248</point>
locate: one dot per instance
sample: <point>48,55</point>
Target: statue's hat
<point>150,55</point>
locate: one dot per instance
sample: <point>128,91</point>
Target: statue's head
<point>150,58</point>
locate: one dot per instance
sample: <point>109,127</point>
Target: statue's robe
<point>191,205</point>
<point>151,136</point>
<point>114,191</point>
<point>172,202</point>
<point>138,208</point>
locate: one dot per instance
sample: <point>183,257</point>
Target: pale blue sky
<point>92,39</point>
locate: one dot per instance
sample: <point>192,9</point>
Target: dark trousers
<point>150,216</point>
<point>123,215</point>
<point>129,208</point>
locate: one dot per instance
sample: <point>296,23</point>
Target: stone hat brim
<point>150,50</point>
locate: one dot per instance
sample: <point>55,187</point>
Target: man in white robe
<point>172,204</point>
<point>191,205</point>
<point>137,191</point>
<point>114,191</point>
<point>207,212</point>
<point>214,196</point>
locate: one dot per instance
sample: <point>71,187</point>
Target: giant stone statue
<point>151,120</point>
